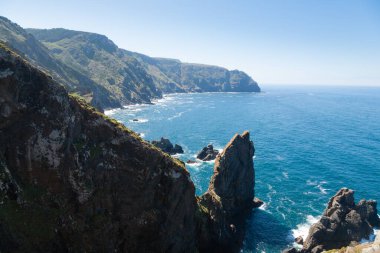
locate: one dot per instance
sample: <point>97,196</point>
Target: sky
<point>313,42</point>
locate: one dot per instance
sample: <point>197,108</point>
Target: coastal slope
<point>73,180</point>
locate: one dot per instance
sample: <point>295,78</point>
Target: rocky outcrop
<point>208,153</point>
<point>73,180</point>
<point>229,198</point>
<point>166,146</point>
<point>342,222</point>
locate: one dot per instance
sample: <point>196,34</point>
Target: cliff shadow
<point>265,231</point>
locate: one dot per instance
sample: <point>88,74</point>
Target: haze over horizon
<point>276,42</point>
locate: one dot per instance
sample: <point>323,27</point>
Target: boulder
<point>299,240</point>
<point>166,146</point>
<point>342,222</point>
<point>208,153</point>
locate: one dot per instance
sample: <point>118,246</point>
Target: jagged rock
<point>191,162</point>
<point>342,222</point>
<point>257,203</point>
<point>72,180</point>
<point>228,200</point>
<point>299,240</point>
<point>166,146</point>
<point>208,153</point>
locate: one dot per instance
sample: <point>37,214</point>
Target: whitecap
<point>285,174</point>
<point>111,112</point>
<point>303,228</point>
<point>279,158</point>
<point>177,115</point>
<point>263,207</point>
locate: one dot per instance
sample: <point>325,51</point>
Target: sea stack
<point>208,153</point>
<point>229,198</point>
<point>166,146</point>
<point>343,222</point>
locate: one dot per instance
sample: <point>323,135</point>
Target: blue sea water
<point>310,142</point>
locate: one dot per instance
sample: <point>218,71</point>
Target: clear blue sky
<point>276,42</point>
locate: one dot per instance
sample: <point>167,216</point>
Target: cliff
<point>173,75</point>
<point>96,56</point>
<point>72,180</point>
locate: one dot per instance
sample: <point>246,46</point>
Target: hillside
<point>97,56</point>
<point>25,44</point>
<point>94,67</point>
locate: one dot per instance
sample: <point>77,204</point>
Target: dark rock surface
<point>73,180</point>
<point>342,222</point>
<point>166,146</point>
<point>229,198</point>
<point>208,153</point>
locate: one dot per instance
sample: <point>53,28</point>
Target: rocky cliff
<point>229,198</point>
<point>96,56</point>
<point>72,180</point>
<point>343,222</point>
<point>173,75</point>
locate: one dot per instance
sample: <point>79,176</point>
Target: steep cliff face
<point>173,75</point>
<point>72,180</point>
<point>342,222</point>
<point>98,58</point>
<point>229,198</point>
<point>32,49</point>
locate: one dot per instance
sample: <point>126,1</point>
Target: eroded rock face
<point>72,180</point>
<point>342,222</point>
<point>166,146</point>
<point>229,197</point>
<point>208,153</point>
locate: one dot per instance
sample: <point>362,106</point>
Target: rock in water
<point>208,153</point>
<point>229,198</point>
<point>73,180</point>
<point>342,222</point>
<point>166,146</point>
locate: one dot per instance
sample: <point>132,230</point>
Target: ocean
<point>309,141</point>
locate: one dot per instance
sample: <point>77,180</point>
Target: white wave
<point>303,228</point>
<point>196,165</point>
<point>280,158</point>
<point>317,185</point>
<point>263,207</point>
<point>177,115</point>
<point>285,174</point>
<point>139,120</point>
<point>111,112</point>
<point>309,182</point>
<point>142,135</point>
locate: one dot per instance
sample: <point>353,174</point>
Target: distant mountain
<point>174,76</point>
<point>107,76</point>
